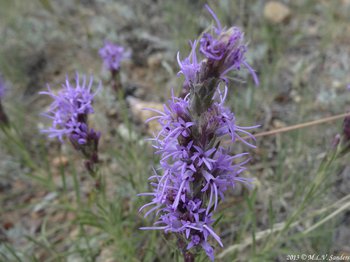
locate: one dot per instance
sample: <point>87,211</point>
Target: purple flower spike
<point>195,168</point>
<point>113,55</point>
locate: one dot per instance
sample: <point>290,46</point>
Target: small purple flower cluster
<point>69,114</point>
<point>113,55</point>
<point>196,168</point>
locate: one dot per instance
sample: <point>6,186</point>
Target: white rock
<point>140,113</point>
<point>276,12</point>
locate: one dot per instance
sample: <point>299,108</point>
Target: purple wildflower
<point>195,168</point>
<point>113,55</point>
<point>69,114</point>
<point>224,51</point>
<point>69,110</point>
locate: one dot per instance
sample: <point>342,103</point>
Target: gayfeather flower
<point>113,55</point>
<point>69,110</point>
<point>195,168</point>
<point>69,114</point>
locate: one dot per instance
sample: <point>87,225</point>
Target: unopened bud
<point>346,128</point>
<point>335,141</point>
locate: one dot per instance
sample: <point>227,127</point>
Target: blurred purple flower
<point>69,111</point>
<point>69,114</point>
<point>2,87</point>
<point>113,55</point>
<point>189,67</point>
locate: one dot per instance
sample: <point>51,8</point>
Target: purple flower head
<point>189,67</point>
<point>113,55</point>
<point>348,87</point>
<point>69,111</point>
<point>69,114</point>
<point>225,50</point>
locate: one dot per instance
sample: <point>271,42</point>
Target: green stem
<point>9,133</point>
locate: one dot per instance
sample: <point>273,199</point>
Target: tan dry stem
<point>299,126</point>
